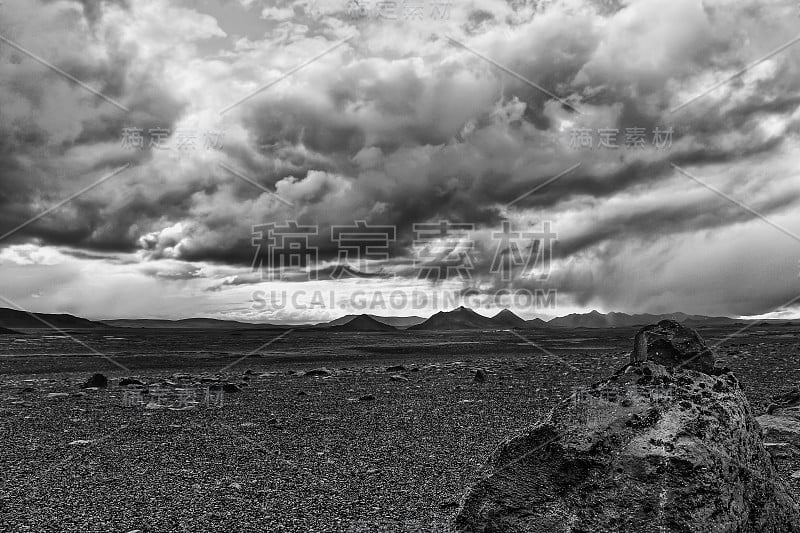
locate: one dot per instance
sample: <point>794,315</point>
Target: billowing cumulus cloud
<point>406,120</point>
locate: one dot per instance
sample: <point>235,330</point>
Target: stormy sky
<point>478,113</point>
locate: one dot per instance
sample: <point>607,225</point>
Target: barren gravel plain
<point>360,448</point>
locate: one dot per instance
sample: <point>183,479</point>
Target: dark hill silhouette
<point>461,318</point>
<point>14,319</point>
<point>507,319</point>
<point>363,323</point>
<point>4,331</point>
<point>395,321</point>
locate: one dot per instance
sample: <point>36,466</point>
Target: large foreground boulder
<point>655,448</point>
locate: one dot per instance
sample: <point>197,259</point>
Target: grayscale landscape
<point>400,266</point>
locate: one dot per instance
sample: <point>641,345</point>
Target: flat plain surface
<point>289,452</point>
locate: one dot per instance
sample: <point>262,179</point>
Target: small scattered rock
<point>480,376</point>
<point>80,442</point>
<point>321,372</point>
<point>98,381</point>
<point>396,368</point>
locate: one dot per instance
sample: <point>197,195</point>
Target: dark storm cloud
<point>398,133</point>
<point>58,138</point>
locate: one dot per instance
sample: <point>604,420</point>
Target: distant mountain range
<point>595,319</point>
<point>460,318</point>
<point>186,323</point>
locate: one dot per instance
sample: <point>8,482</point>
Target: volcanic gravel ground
<point>291,452</point>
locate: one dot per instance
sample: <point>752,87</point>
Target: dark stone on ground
<point>396,368</point>
<point>480,376</point>
<point>367,398</point>
<point>96,381</point>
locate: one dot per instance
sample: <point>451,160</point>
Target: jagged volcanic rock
<point>671,344</point>
<point>654,448</point>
